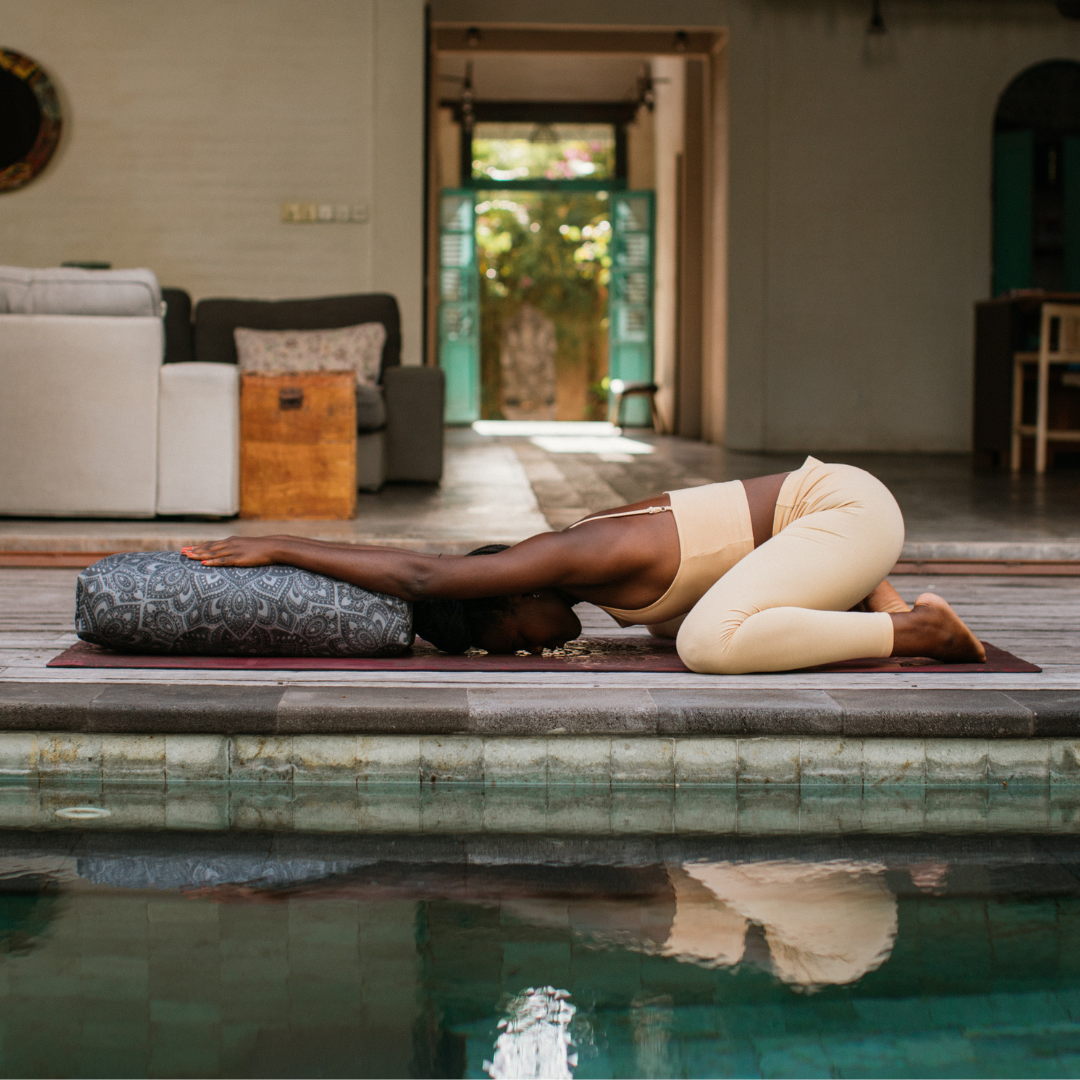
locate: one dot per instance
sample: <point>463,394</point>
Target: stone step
<point>158,708</point>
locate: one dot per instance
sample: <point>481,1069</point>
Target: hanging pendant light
<point>879,46</point>
<point>877,21</point>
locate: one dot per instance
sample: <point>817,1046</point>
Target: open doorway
<point>546,331</point>
<point>543,231</point>
<point>544,275</point>
<point>556,260</point>
<point>1037,181</point>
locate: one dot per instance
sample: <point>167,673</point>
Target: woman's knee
<point>706,648</point>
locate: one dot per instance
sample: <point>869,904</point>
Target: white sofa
<point>92,423</point>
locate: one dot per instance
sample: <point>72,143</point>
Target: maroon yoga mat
<point>585,654</point>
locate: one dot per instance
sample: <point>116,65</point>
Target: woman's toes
<point>958,644</point>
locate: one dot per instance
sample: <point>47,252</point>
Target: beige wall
<point>860,214</point>
<point>859,185</point>
<point>187,125</point>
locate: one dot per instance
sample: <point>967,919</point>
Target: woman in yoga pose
<point>769,574</point>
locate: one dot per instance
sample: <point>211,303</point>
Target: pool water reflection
<point>141,954</point>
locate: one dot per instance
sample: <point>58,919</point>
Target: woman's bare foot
<point>932,628</point>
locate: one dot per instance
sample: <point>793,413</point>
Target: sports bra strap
<point>625,513</point>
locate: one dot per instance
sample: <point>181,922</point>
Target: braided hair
<point>454,626</point>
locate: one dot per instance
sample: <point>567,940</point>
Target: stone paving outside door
<point>527,363</point>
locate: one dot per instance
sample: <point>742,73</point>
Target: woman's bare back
<point>627,562</point>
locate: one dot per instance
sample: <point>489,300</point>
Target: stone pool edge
<point>838,763</point>
<point>289,710</point>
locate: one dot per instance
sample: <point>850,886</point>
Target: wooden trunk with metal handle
<point>298,446</point>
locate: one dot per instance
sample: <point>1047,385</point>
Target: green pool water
<point>174,954</point>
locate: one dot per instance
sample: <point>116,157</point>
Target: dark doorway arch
<point>1036,190</point>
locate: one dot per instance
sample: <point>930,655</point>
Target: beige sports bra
<point>715,532</point>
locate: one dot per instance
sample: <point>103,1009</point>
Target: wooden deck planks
<point>1036,618</point>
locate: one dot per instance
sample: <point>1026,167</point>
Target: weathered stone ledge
<point>179,709</point>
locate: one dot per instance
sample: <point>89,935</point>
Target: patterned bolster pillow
<point>163,602</point>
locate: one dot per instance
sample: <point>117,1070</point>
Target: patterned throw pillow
<point>349,348</point>
<point>163,602</point>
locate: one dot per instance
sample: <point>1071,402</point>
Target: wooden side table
<point>298,446</point>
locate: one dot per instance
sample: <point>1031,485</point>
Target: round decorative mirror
<point>29,119</point>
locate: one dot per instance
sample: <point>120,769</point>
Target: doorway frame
<point>697,388</point>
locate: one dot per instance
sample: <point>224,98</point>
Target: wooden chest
<point>298,446</point>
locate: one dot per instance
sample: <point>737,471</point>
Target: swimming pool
<point>258,953</point>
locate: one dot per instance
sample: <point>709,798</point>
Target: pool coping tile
<point>933,713</point>
<point>325,758</point>
<point>643,761</point>
<point>1054,712</point>
<point>706,761</point>
<point>178,708</point>
<point>952,762</point>
<point>747,712</point>
<point>450,759</point>
<point>134,757</point>
<point>388,759</point>
<point>894,762</point>
<point>75,756</point>
<point>830,762</point>
<point>373,710</point>
<point>196,758</point>
<point>559,710</point>
<point>579,760</point>
<point>168,708</point>
<point>515,761</point>
<point>1016,761</point>
<point>261,759</point>
<point>18,754</point>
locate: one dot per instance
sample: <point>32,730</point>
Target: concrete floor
<point>944,497</point>
<point>499,489</point>
<point>484,498</point>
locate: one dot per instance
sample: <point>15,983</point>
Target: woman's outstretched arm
<point>546,560</point>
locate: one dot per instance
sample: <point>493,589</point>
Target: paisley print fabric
<point>279,352</point>
<point>162,602</point>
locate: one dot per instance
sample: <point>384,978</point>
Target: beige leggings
<point>836,535</point>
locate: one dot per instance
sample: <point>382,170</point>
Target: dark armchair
<point>400,422</point>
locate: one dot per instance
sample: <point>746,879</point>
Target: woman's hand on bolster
<point>237,551</point>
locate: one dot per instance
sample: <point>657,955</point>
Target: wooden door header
<point>459,38</point>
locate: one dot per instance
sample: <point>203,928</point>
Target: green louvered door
<point>1071,178</point>
<point>1014,157</point>
<point>630,304</point>
<point>459,306</point>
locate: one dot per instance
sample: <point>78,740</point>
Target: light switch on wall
<point>323,213</point>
